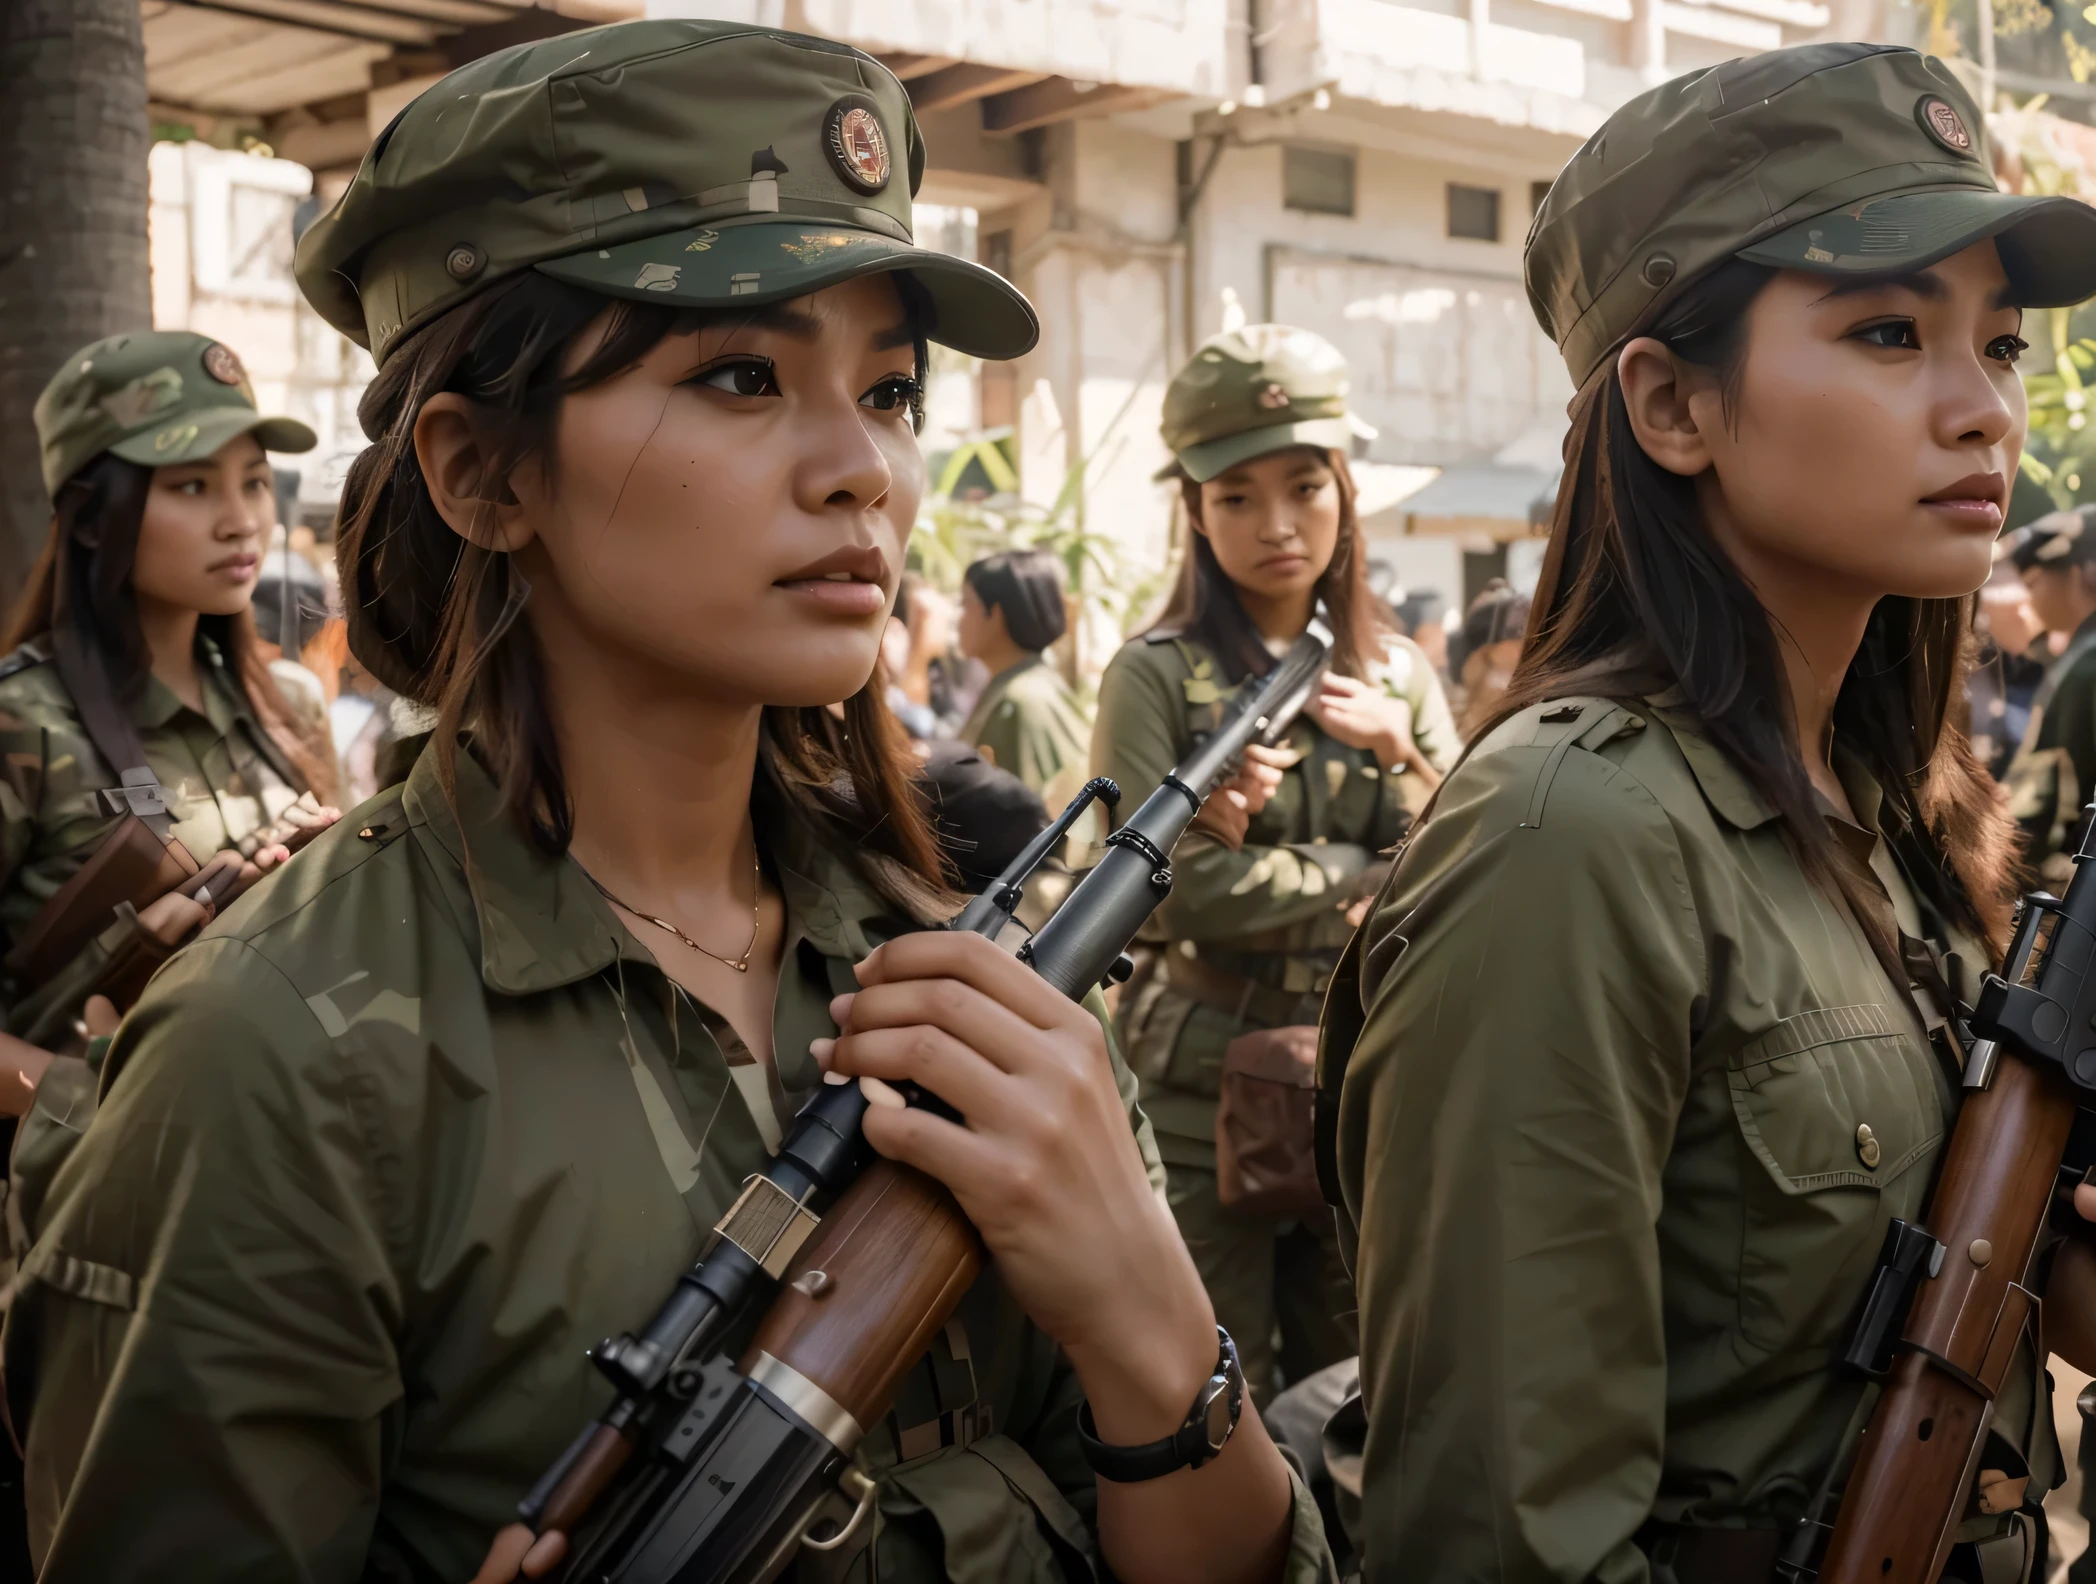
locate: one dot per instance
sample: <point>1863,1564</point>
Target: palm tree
<point>73,142</point>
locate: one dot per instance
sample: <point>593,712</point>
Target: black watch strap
<point>1207,1429</point>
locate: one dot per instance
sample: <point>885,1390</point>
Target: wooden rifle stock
<point>896,1257</point>
<point>1916,1462</point>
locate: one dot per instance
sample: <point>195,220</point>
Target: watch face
<point>1216,1417</point>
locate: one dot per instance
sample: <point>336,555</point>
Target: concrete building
<point>1149,171</point>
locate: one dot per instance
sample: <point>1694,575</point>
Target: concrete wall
<point>221,231</point>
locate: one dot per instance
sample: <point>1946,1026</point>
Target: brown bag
<point>1265,1144</point>
<point>134,864</point>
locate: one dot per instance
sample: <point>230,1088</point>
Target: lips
<point>1977,499</point>
<point>242,565</point>
<point>847,582</point>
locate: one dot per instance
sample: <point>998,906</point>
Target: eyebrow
<point>788,320</point>
<point>1925,284</point>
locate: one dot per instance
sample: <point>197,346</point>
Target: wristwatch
<point>1206,1431</point>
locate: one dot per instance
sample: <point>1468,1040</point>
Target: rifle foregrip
<point>587,1477</point>
<point>896,1256</point>
<point>1914,1466</point>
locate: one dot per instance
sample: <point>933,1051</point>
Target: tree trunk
<point>73,142</point>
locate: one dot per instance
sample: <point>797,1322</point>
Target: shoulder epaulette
<point>29,654</point>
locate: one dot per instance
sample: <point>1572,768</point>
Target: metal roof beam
<point>330,16</point>
<point>958,85</point>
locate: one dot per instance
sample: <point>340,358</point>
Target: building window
<point>1537,192</point>
<point>1473,212</point>
<point>1318,180</point>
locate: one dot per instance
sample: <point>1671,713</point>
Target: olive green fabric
<point>1274,913</point>
<point>703,163</point>
<point>2053,775</point>
<point>152,396</point>
<point>1610,1205</point>
<point>1845,159</point>
<point>379,1158</point>
<point>1028,721</point>
<point>221,788</point>
<point>1252,391</point>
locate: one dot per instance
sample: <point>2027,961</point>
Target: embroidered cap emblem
<point>223,365</point>
<point>857,146</point>
<point>1940,119</point>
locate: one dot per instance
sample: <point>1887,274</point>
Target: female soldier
<point>1026,721</point>
<point>462,1091</point>
<point>134,647</point>
<point>1654,1000</point>
<point>1258,425</point>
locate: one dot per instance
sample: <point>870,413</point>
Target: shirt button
<point>1867,1146</point>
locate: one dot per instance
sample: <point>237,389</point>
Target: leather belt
<point>1248,1000</point>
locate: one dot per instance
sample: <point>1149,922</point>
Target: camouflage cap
<point>153,396</point>
<point>686,162</point>
<point>1247,392</point>
<point>1843,159</point>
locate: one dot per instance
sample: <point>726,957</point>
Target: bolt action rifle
<point>1947,1306</point>
<point>709,1469</point>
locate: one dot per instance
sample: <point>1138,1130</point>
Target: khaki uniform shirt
<point>1029,723</point>
<point>1270,914</point>
<point>1602,1151</point>
<point>379,1158</point>
<point>222,790</point>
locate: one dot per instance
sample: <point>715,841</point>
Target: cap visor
<point>976,310</point>
<point>2048,245</point>
<point>193,436</point>
<point>1204,462</point>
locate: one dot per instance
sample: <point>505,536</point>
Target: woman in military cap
<point>462,1091</point>
<point>133,650</point>
<point>1647,1031</point>
<point>1258,426</point>
<point>1027,720</point>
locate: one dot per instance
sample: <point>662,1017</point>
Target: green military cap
<point>1844,159</point>
<point>707,164</point>
<point>153,396</point>
<point>1254,390</point>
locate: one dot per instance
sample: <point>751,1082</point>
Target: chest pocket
<point>1841,1109</point>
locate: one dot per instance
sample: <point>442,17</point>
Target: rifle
<point>1958,1282</point>
<point>712,1470</point>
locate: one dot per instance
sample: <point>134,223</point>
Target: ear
<point>456,470</point>
<point>1660,392</point>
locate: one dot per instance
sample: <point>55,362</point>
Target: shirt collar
<point>157,704</point>
<point>543,925</point>
<point>1725,788</point>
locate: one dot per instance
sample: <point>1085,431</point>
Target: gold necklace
<point>739,964</point>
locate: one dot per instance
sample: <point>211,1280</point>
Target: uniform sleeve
<point>205,1329</point>
<point>999,739</point>
<point>1504,1123</point>
<point>1433,723</point>
<point>1216,894</point>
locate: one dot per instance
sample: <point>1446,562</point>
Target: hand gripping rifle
<point>713,1470</point>
<point>1957,1283</point>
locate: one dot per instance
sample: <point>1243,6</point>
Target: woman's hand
<point>1227,813</point>
<point>1362,715</point>
<point>1045,1165</point>
<point>172,919</point>
<point>293,828</point>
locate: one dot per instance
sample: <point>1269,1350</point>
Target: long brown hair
<point>80,599</point>
<point>1636,595</point>
<point>434,617</point>
<point>1205,608</point>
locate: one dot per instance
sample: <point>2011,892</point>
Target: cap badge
<point>657,277</point>
<point>857,146</point>
<point>223,365</point>
<point>1940,119</point>
<point>1273,396</point>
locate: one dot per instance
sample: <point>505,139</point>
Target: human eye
<point>2007,349</point>
<point>192,487</point>
<point>741,376</point>
<point>1896,334</point>
<point>897,390</point>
